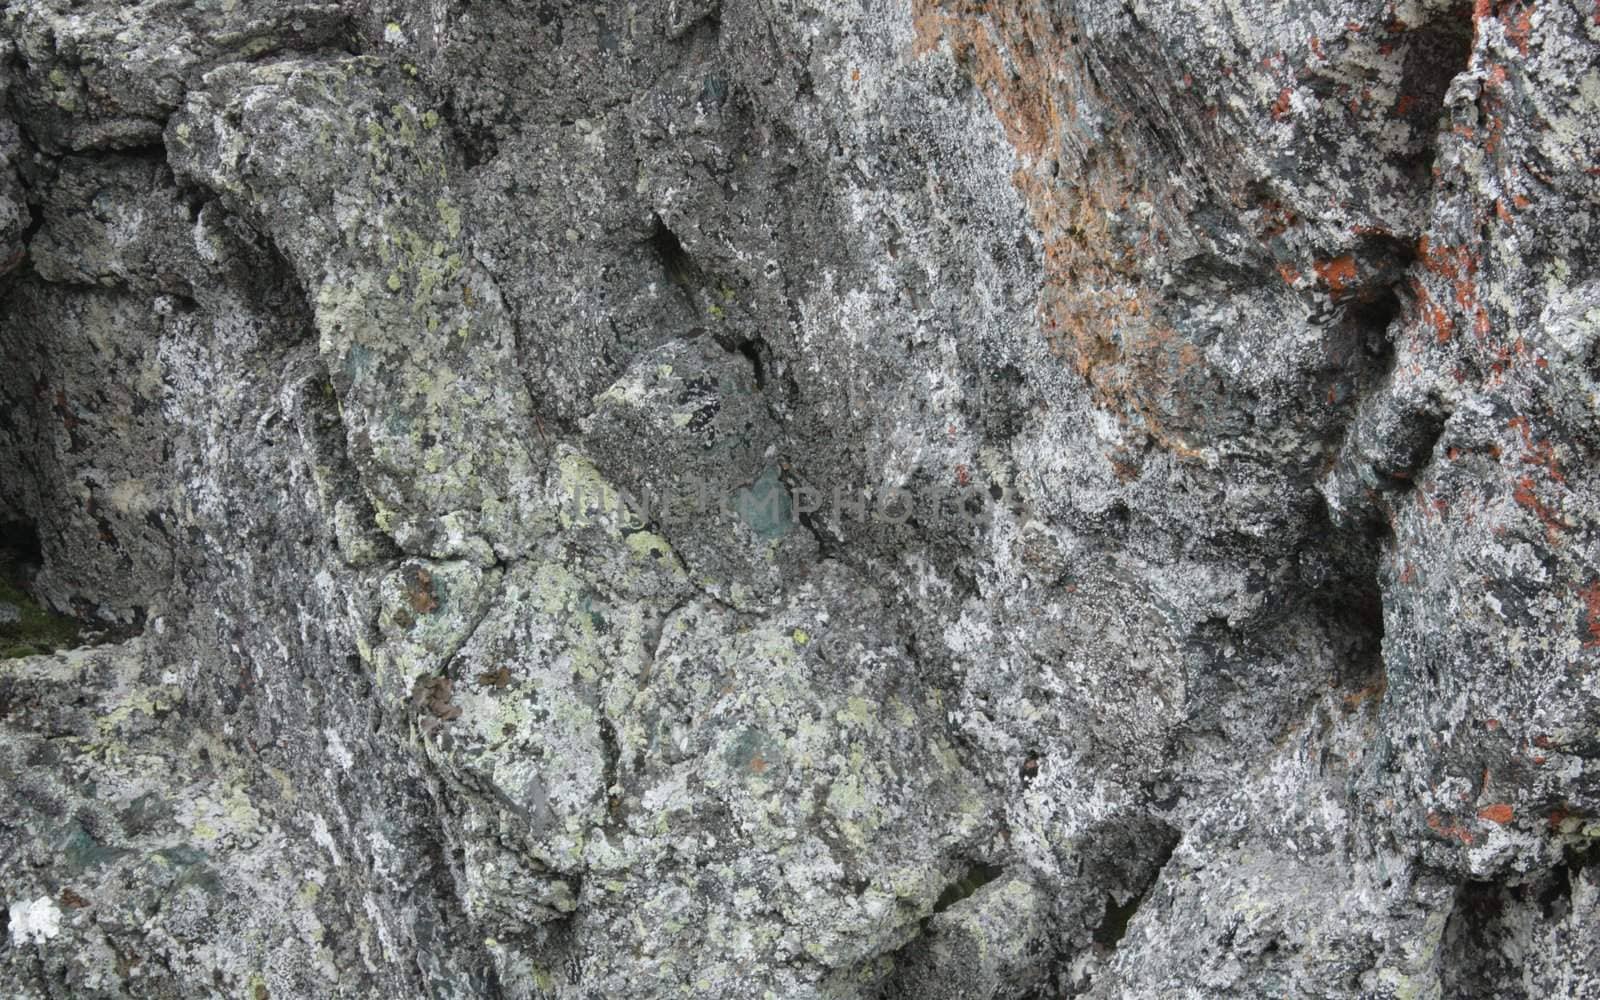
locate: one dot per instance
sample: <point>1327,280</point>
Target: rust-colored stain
<point>1500,813</point>
<point>1125,471</point>
<point>1372,692</point>
<point>1095,310</point>
<point>1590,596</point>
<point>495,678</point>
<point>419,592</point>
<point>63,408</point>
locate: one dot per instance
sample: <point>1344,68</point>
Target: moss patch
<point>34,629</point>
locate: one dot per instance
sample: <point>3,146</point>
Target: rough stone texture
<point>1152,551</point>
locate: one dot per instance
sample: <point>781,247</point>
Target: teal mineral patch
<point>766,506</point>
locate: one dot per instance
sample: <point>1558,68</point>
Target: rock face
<point>784,499</point>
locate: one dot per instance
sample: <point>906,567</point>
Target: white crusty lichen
<point>34,921</point>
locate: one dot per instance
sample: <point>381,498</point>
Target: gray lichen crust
<point>753,499</point>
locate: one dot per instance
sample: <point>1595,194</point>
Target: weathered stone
<point>1129,527</point>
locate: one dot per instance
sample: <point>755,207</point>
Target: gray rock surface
<point>1136,529</point>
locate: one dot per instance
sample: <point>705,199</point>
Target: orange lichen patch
<point>1338,274</point>
<point>1288,274</point>
<point>1433,315</point>
<point>1525,497</point>
<point>1459,266</point>
<point>1275,220</point>
<point>1449,829</point>
<point>1500,813</point>
<point>1543,454</point>
<point>1497,128</point>
<point>1523,426</point>
<point>1519,27</point>
<point>1284,104</point>
<point>1590,596</point>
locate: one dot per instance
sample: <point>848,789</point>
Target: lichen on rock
<point>799,500</point>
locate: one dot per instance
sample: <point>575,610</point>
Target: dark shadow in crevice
<point>1113,927</point>
<point>1471,961</point>
<point>1435,53</point>
<point>977,876</point>
<point>676,264</point>
<point>19,545</point>
<point>476,142</point>
<point>752,351</point>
